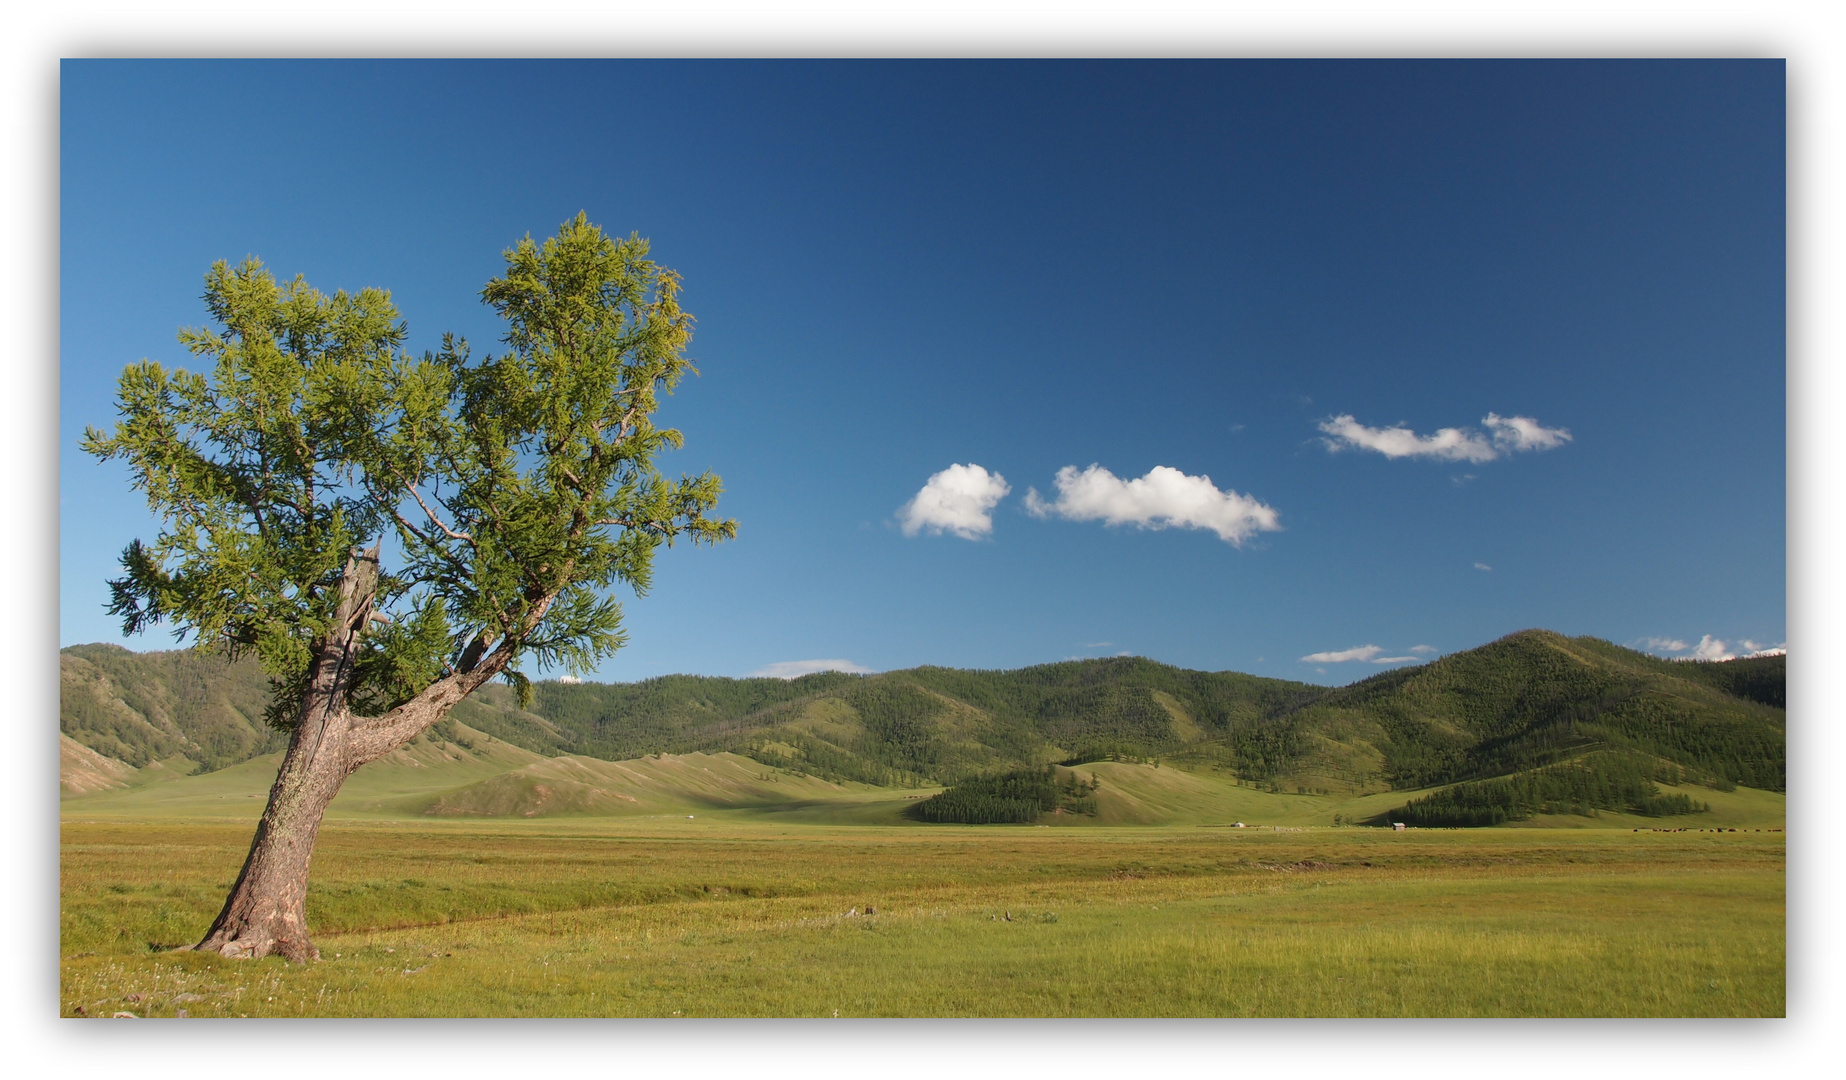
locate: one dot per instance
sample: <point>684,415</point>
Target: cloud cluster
<point>795,669</point>
<point>958,500</point>
<point>1164,498</point>
<point>1367,653</point>
<point>1504,435</point>
<point>1711,648</point>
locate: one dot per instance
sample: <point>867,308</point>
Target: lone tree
<point>513,492</point>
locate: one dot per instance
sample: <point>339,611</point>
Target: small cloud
<point>1098,644</point>
<point>1517,433</point>
<point>1424,649</point>
<point>1482,566</point>
<point>1504,435</point>
<point>1710,648</point>
<point>1764,650</point>
<point>958,500</point>
<point>1363,652</point>
<point>1367,653</point>
<point>1124,652</point>
<point>570,680</point>
<point>795,669</point>
<point>1663,644</point>
<point>1164,498</point>
<point>1235,428</point>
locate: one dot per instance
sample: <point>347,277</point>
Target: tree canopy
<point>517,488</point>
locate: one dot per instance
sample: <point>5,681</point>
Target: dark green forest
<point>1534,720</point>
<point>1017,796</point>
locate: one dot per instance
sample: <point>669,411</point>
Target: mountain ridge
<point>1572,715</point>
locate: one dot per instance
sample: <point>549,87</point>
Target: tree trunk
<point>267,910</point>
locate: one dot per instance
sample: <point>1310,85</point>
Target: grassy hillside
<point>1534,724</point>
<point>145,707</point>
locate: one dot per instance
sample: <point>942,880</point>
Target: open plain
<point>832,904</point>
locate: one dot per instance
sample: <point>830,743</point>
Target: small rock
<point>134,997</point>
<point>188,997</point>
<point>870,910</point>
<point>124,1016</point>
<point>181,1013</point>
<point>79,1011</point>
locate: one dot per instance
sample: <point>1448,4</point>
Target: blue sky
<point>1247,271</point>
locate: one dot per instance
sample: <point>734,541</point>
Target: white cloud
<point>1367,653</point>
<point>795,669</point>
<point>1448,444</point>
<point>1424,649</point>
<point>1363,652</point>
<point>1504,435</point>
<point>959,500</point>
<point>1164,498</point>
<point>1711,648</point>
<point>1515,433</point>
<point>1482,566</point>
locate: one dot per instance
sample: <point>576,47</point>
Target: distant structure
<point>1398,826</point>
<point>1239,825</point>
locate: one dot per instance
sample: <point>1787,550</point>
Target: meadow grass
<point>734,917</point>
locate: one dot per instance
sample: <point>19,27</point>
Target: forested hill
<point>1531,701</point>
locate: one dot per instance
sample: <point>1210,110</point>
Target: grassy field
<point>756,914</point>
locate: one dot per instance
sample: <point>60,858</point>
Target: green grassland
<point>716,847</point>
<point>662,917</point>
<point>725,888</point>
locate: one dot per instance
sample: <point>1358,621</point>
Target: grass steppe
<point>757,904</point>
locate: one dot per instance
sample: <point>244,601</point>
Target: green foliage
<point>1761,679</point>
<point>519,488</point>
<point>1601,782</point>
<point>1015,797</point>
<point>145,707</point>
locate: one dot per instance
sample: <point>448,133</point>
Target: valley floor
<point>719,915</point>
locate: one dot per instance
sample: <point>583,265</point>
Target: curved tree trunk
<point>267,910</point>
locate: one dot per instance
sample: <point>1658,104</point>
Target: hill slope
<point>1581,723</point>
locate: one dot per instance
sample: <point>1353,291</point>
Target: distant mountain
<point>1571,724</point>
<point>152,706</point>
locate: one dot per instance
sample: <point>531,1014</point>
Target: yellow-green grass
<point>725,916</point>
<point>495,779</point>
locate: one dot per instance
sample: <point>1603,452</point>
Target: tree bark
<point>266,912</point>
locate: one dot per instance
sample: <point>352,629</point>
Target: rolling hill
<point>1527,727</point>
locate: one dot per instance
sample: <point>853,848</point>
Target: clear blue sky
<point>1221,270</point>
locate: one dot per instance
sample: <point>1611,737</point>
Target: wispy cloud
<point>1363,652</point>
<point>1367,653</point>
<point>1515,433</point>
<point>1424,649</point>
<point>1482,566</point>
<point>958,500</point>
<point>1164,498</point>
<point>1504,435</point>
<point>1711,648</point>
<point>795,669</point>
